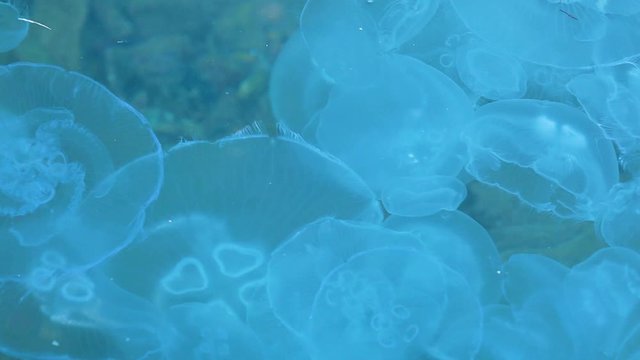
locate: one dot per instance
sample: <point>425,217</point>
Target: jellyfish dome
<point>558,33</point>
<point>405,126</point>
<point>78,166</point>
<point>12,29</point>
<point>346,39</point>
<point>548,154</point>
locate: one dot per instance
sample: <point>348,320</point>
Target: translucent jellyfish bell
<point>189,258</point>
<point>78,166</point>
<point>85,317</point>
<point>297,89</point>
<point>346,38</point>
<point>548,154</point>
<point>602,314</point>
<point>263,187</point>
<point>395,304</point>
<point>406,125</point>
<point>462,244</point>
<point>399,20</point>
<point>297,267</point>
<point>12,29</point>
<point>558,33</point>
<point>611,98</point>
<point>619,222</point>
<point>629,7</point>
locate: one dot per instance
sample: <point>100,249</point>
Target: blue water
<point>335,179</point>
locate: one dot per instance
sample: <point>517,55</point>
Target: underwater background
<point>321,179</point>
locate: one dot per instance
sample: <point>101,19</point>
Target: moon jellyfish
<point>547,154</point>
<point>552,32</point>
<point>533,334</point>
<point>527,276</point>
<point>297,267</point>
<point>81,316</point>
<point>619,222</point>
<point>12,29</point>
<point>395,304</point>
<point>180,264</point>
<point>297,89</point>
<point>460,242</point>
<point>78,167</point>
<point>262,187</point>
<point>406,126</point>
<point>347,38</point>
<point>210,232</point>
<point>398,21</point>
<point>630,7</point>
<point>602,314</point>
<point>610,98</point>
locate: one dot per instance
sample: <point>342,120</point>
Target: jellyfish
<point>527,276</point>
<point>603,316</point>
<point>13,28</point>
<point>537,333</point>
<point>297,267</point>
<point>78,168</point>
<point>347,38</point>
<point>80,315</point>
<point>557,33</point>
<point>609,97</point>
<point>547,154</point>
<point>263,187</point>
<point>462,244</point>
<point>297,89</point>
<point>406,126</point>
<point>394,303</point>
<point>619,222</point>
<point>210,233</point>
<point>188,258</point>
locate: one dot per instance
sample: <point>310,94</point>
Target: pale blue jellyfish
<point>261,187</point>
<point>394,303</point>
<point>297,89</point>
<point>531,323</point>
<point>527,276</point>
<point>211,232</point>
<point>547,154</point>
<point>603,316</point>
<point>80,316</point>
<point>297,267</point>
<point>462,244</point>
<point>619,222</point>
<point>78,167</point>
<point>536,333</point>
<point>610,97</point>
<point>557,33</point>
<point>347,38</point>
<point>406,125</point>
<point>13,28</point>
